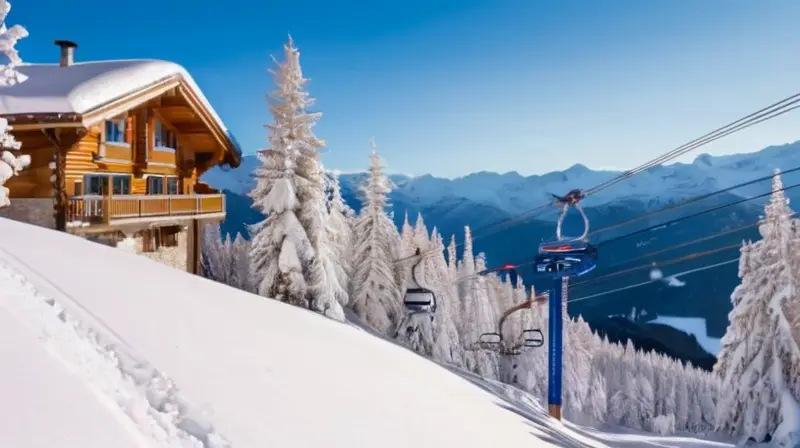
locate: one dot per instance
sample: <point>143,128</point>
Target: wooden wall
<point>90,155</point>
<point>138,158</point>
<point>34,181</point>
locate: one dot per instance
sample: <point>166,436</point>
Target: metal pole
<point>555,347</point>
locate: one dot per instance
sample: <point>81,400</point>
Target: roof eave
<point>223,135</point>
<point>22,122</point>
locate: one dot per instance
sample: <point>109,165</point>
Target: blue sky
<point>450,87</point>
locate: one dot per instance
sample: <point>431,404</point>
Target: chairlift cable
<point>693,215</point>
<point>691,271</point>
<point>767,113</point>
<point>690,201</point>
<point>649,228</point>
<point>781,107</point>
<point>692,242</point>
<point>657,265</point>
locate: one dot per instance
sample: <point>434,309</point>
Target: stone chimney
<point>67,52</point>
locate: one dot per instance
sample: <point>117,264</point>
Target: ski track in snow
<point>146,396</point>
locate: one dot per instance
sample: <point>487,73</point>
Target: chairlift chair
<point>490,339</point>
<point>417,299</point>
<point>532,338</point>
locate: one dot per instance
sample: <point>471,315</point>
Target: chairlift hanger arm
<point>541,298</point>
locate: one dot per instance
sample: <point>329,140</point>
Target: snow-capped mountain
<point>513,193</point>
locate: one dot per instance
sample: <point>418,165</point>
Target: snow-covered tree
<point>226,261</point>
<point>10,165</point>
<point>596,402</point>
<point>341,236</point>
<point>760,363</point>
<point>291,254</point>
<point>376,295</point>
<point>242,277</point>
<point>280,246</point>
<point>211,263</point>
<point>8,42</point>
<point>324,288</point>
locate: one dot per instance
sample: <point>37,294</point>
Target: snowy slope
<point>184,361</point>
<point>694,326</point>
<point>39,391</point>
<point>514,193</point>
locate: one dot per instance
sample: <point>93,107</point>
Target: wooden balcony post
<point>108,194</point>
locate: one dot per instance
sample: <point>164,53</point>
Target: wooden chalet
<point>117,149</point>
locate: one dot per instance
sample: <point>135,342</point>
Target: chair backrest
<point>419,297</point>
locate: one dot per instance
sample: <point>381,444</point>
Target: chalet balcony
<point>114,210</point>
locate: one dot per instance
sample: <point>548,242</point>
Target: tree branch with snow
<point>9,75</point>
<point>10,165</point>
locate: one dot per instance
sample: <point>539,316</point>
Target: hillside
<point>146,352</point>
<point>481,199</point>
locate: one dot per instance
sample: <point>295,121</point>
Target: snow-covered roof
<point>83,87</point>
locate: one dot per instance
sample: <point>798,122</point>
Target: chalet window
<point>172,185</point>
<point>155,185</point>
<point>163,138</point>
<point>122,184</point>
<point>78,188</point>
<point>96,184</point>
<point>169,236</point>
<point>154,239</point>
<point>116,131</point>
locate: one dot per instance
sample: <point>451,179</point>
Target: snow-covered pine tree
<point>229,277</point>
<point>10,165</point>
<point>324,289</point>
<point>466,283</point>
<point>448,345</point>
<point>376,295</point>
<point>280,246</point>
<point>624,403</point>
<point>452,275</point>
<point>341,236</point>
<point>407,238</point>
<point>211,255</point>
<point>760,390</point>
<point>452,258</point>
<point>595,405</point>
<point>240,262</point>
<point>484,317</point>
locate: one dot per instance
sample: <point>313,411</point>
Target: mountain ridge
<point>514,193</point>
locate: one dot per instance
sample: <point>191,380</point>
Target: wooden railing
<point>94,209</point>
